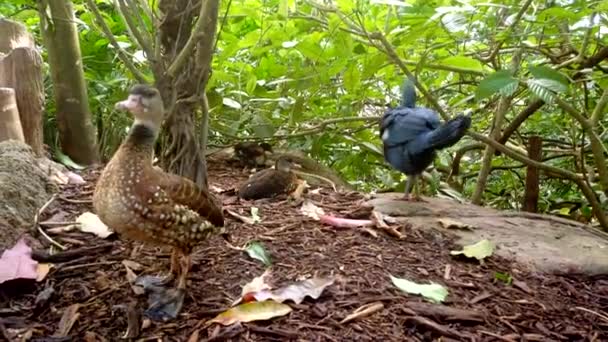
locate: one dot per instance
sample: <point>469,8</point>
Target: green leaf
<point>462,62</point>
<point>352,78</point>
<point>544,89</point>
<point>251,84</point>
<point>67,161</point>
<point>544,72</point>
<point>504,277</point>
<point>253,311</point>
<point>256,250</point>
<point>501,81</point>
<point>479,250</point>
<point>433,291</point>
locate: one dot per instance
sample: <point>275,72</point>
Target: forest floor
<point>94,297</point>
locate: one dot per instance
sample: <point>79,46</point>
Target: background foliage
<point>283,67</point>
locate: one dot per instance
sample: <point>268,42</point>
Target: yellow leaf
<point>253,311</point>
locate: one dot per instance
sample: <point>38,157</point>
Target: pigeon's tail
<point>449,133</point>
<point>408,94</point>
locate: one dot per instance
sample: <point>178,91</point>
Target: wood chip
<point>363,311</point>
<point>69,317</point>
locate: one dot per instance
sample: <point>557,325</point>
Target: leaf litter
<point>539,306</point>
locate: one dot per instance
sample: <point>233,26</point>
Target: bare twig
<point>37,225</point>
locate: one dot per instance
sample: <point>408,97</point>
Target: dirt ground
<point>534,307</point>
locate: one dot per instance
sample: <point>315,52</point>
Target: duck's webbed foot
<point>165,304</point>
<point>148,280</point>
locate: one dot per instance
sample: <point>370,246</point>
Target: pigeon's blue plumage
<point>411,135</point>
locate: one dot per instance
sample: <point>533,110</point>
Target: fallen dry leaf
<point>299,190</point>
<point>74,178</point>
<point>17,263</point>
<point>296,292</point>
<point>90,223</point>
<point>135,266</point>
<point>311,210</point>
<point>43,270</point>
<point>252,311</point>
<point>257,284</point>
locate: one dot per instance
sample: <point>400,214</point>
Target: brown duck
<point>251,153</point>
<point>270,182</point>
<point>143,203</point>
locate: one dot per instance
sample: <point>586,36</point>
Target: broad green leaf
<point>499,82</point>
<point>283,11</point>
<point>544,72</point>
<point>252,311</point>
<point>479,250</point>
<point>433,291</point>
<point>251,84</point>
<point>550,14</point>
<point>352,78</point>
<point>256,250</point>
<point>462,62</point>
<point>67,161</point>
<point>544,89</point>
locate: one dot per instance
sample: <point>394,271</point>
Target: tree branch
<point>197,33</point>
<point>136,36</point>
<point>507,33</point>
<point>122,54</point>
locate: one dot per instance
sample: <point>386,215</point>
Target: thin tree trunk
<point>10,125</point>
<point>499,118</point>
<point>76,129</point>
<point>535,152</point>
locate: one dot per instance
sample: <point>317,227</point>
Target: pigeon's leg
<point>411,180</point>
<point>417,197</point>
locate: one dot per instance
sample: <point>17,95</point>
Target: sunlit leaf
<point>462,62</point>
<point>231,103</point>
<point>252,311</point>
<point>256,250</point>
<point>433,291</point>
<point>479,250</point>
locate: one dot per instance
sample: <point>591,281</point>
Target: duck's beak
<point>131,103</point>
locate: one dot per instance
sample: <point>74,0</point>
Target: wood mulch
<point>90,289</point>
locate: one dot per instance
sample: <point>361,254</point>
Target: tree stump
<point>21,69</point>
<point>10,125</point>
<point>13,35</point>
